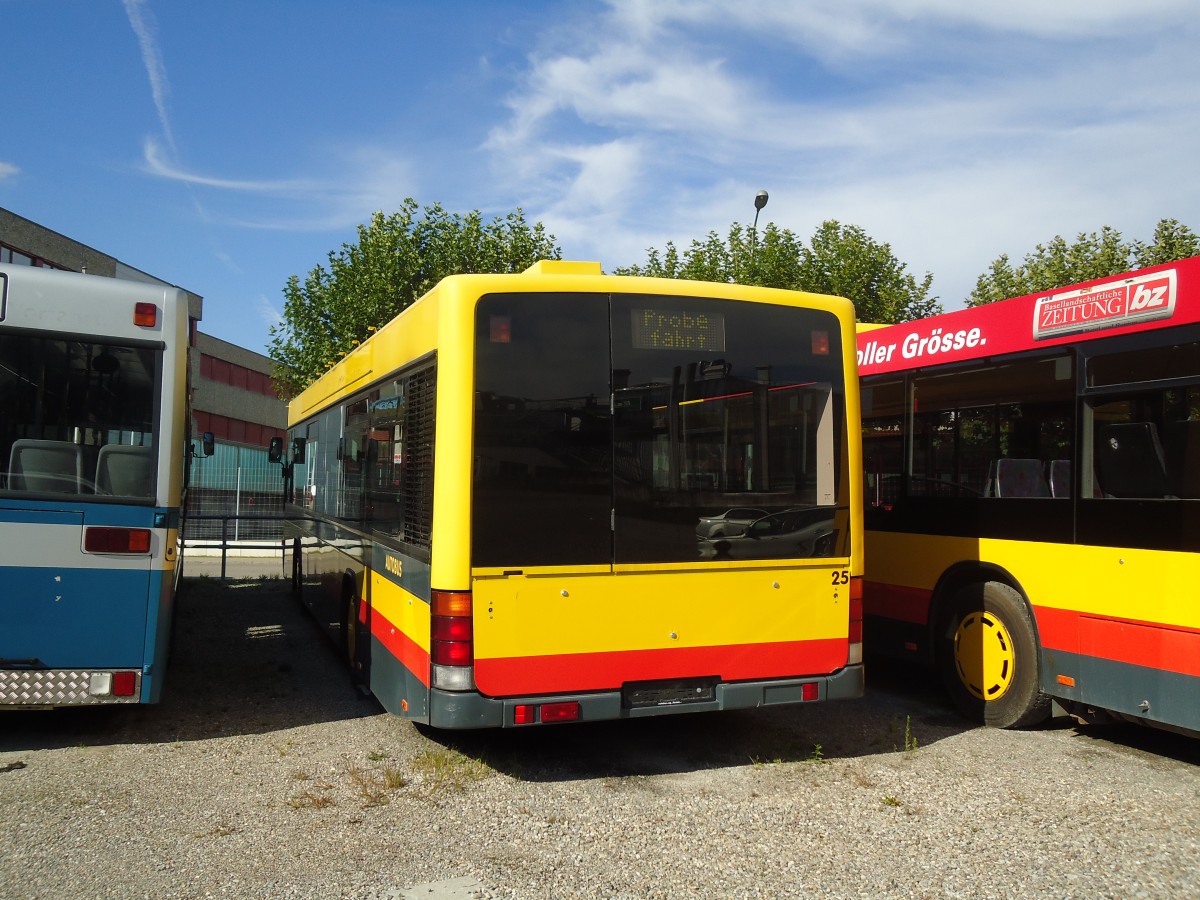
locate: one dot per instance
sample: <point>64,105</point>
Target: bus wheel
<point>988,657</point>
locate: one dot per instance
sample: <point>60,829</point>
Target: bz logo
<point>1148,296</point>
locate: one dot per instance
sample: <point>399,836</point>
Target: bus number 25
<point>841,577</point>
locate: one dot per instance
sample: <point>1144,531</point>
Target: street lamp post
<point>760,200</point>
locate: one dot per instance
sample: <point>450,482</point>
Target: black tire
<point>987,656</point>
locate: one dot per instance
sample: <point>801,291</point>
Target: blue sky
<point>226,145</point>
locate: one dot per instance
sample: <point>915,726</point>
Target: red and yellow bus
<point>1033,499</point>
<point>561,496</point>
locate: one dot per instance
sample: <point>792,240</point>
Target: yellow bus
<point>1033,499</point>
<point>563,496</point>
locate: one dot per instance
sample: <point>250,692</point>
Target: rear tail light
<point>561,712</point>
<point>452,641</point>
<point>116,540</point>
<point>856,620</point>
<point>123,684</point>
<point>532,713</point>
<point>145,315</point>
<point>104,686</point>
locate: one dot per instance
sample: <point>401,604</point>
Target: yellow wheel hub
<point>983,655</point>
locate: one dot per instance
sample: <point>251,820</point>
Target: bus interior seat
<point>124,470</point>
<point>1060,478</point>
<point>1130,461</point>
<point>36,465</point>
<point>1020,478</point>
<point>1183,457</point>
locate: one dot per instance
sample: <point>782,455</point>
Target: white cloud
<point>157,165</point>
<point>141,19</point>
<point>8,170</point>
<point>658,121</point>
<point>267,312</point>
<point>367,179</point>
<point>840,28</point>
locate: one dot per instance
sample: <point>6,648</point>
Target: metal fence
<point>265,554</point>
<point>236,495</point>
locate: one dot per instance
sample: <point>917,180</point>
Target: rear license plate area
<point>668,692</point>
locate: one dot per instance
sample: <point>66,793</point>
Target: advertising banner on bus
<point>1079,312</point>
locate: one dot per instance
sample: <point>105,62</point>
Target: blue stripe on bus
<point>77,618</point>
<point>24,515</point>
<point>68,512</point>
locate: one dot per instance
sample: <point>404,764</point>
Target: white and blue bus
<point>93,446</point>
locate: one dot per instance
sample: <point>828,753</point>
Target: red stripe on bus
<point>895,601</point>
<point>557,673</point>
<point>1168,648</point>
<point>411,654</point>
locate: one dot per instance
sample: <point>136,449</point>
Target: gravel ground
<point>263,774</point>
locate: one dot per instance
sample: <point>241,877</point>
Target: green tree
<point>845,260</point>
<point>840,259</point>
<point>1095,255</point>
<point>1172,241</point>
<point>397,258</point>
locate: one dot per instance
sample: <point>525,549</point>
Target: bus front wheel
<point>988,657</point>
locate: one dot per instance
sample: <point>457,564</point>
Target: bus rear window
<point>618,428</point>
<point>77,416</point>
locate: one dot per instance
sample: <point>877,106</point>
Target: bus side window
<point>1130,461</point>
<point>1183,458</point>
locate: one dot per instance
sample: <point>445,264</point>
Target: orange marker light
<point>145,314</point>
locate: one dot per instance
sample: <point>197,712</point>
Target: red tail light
<point>453,633</point>
<point>856,619</point>
<point>123,684</point>
<point>145,314</point>
<point>561,712</point>
<point>531,713</point>
<point>116,540</point>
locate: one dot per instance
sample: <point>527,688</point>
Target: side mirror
<point>208,443</point>
<point>275,450</point>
